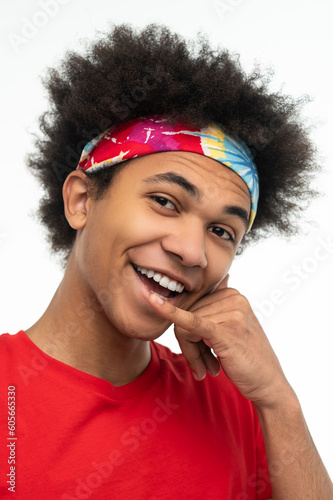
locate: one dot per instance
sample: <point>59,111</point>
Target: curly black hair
<point>129,73</point>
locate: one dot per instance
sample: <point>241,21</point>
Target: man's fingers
<point>197,353</point>
<point>212,364</point>
<point>185,319</point>
<point>192,354</point>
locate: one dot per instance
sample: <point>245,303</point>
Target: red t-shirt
<point>68,435</point>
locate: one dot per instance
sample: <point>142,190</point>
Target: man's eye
<point>164,202</point>
<point>221,233</point>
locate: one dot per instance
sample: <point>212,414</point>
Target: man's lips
<point>170,274</point>
<point>154,287</point>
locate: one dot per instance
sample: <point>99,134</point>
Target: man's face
<point>185,226</point>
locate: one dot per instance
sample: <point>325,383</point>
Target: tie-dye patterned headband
<point>154,134</point>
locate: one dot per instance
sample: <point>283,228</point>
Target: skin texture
<point>101,292</point>
<point>105,315</point>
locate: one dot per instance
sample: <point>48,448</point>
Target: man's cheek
<point>191,304</point>
<point>212,288</point>
<point>201,295</point>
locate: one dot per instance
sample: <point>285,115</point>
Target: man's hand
<point>223,322</point>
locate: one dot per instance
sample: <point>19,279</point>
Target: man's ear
<point>76,199</point>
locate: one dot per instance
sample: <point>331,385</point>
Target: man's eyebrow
<point>173,178</point>
<point>195,193</point>
<point>239,212</point>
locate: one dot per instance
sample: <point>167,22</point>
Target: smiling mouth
<point>149,278</point>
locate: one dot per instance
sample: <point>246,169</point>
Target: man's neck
<point>76,331</point>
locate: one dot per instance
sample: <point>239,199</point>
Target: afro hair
<point>129,73</point>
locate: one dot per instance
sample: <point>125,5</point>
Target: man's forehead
<point>197,170</point>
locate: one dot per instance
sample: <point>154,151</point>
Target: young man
<point>150,220</point>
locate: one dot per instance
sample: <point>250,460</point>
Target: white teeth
<point>162,280</point>
<point>172,286</point>
<point>164,298</point>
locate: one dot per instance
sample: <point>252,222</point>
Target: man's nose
<point>188,242</point>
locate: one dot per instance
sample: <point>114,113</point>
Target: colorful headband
<point>154,134</point>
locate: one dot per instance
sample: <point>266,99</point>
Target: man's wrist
<point>283,400</point>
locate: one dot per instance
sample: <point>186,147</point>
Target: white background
<point>294,37</point>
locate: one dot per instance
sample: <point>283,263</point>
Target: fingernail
<point>158,300</point>
<point>198,377</point>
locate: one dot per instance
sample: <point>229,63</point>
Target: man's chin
<point>152,333</point>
